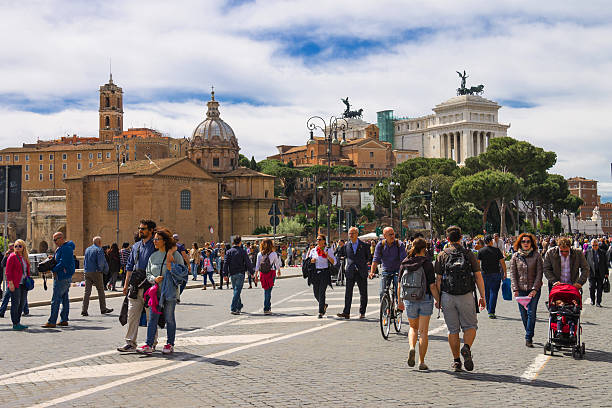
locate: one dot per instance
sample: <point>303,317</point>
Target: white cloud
<point>553,55</point>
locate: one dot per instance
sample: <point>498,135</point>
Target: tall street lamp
<point>121,149</point>
<point>390,187</point>
<point>330,133</point>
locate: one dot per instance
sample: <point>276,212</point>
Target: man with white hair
<point>598,264</point>
<point>95,267</point>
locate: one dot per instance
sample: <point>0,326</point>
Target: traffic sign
<point>274,209</point>
<point>274,220</point>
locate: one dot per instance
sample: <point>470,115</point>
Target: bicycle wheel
<point>397,321</point>
<point>385,316</point>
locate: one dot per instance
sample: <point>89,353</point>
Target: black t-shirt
<point>489,257</point>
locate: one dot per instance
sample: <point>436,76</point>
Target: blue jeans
<point>60,296</point>
<point>529,316</point>
<point>5,300</point>
<point>18,297</point>
<point>209,275</point>
<point>492,281</point>
<point>267,299</point>
<point>237,283</point>
<point>194,270</point>
<point>168,311</point>
<point>385,281</point>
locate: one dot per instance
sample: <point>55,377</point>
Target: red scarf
<point>320,252</point>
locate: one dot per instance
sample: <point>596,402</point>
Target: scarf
<point>321,252</point>
<point>524,253</point>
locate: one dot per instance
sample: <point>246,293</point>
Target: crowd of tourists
<point>457,274</point>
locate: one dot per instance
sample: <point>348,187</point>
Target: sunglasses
<point>320,239</point>
<point>526,241</point>
<point>18,246</point>
<point>56,239</point>
<point>142,228</point>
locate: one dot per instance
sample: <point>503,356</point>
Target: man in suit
<point>357,257</point>
<point>598,265</point>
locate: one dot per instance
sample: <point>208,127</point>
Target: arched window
<point>185,200</point>
<point>107,102</point>
<point>112,200</point>
<point>107,121</point>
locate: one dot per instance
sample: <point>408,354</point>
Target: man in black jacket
<point>598,264</point>
<point>357,257</point>
<point>235,265</point>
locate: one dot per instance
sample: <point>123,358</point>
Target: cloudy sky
<point>275,63</point>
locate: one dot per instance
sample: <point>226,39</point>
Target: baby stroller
<point>564,328</point>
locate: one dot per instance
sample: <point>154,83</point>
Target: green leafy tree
<point>261,230</point>
<point>243,161</point>
<point>290,225</point>
<point>254,165</point>
<point>368,213</point>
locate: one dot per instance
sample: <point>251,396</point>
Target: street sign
<point>14,188</point>
<point>274,220</point>
<point>274,209</point>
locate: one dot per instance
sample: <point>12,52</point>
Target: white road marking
<point>231,339</point>
<point>106,353</point>
<point>271,320</point>
<point>93,371</point>
<point>312,309</point>
<point>532,372</point>
<point>312,299</point>
<point>437,330</point>
<point>182,364</point>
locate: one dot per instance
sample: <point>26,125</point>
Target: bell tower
<point>111,111</point>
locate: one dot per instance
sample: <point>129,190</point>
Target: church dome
<point>213,126</point>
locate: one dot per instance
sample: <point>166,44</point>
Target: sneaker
<point>411,361</point>
<point>146,349</point>
<point>456,366</point>
<point>168,349</point>
<point>492,316</point>
<point>19,327</point>
<point>127,348</point>
<point>466,353</point>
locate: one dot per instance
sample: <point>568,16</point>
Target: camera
<point>47,265</point>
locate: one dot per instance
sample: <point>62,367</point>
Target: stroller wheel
<point>575,352</point>
<point>552,350</point>
<point>582,349</point>
<point>546,347</point>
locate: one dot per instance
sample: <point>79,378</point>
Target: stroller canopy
<point>565,293</point>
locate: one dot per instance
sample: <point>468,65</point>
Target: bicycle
<point>389,311</point>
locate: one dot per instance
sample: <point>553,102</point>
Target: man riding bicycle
<point>390,252</point>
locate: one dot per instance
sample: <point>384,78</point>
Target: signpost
<point>274,219</point>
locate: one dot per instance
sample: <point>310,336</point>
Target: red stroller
<point>564,328</point>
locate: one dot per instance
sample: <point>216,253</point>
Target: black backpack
<point>458,277</point>
<point>265,265</point>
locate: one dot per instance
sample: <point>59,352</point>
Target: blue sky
<point>276,63</point>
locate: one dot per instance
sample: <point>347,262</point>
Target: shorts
<point>459,312</point>
<point>417,308</point>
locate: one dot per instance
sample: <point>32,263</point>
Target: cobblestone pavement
<point>293,359</point>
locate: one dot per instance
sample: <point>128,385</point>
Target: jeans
<point>5,300</point>
<point>529,316</point>
<point>492,281</point>
<point>210,276</point>
<point>18,297</point>
<point>168,311</point>
<point>385,281</point>
<point>194,270</point>
<point>267,299</point>
<point>237,283</point>
<point>60,296</point>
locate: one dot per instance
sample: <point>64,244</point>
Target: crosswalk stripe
<point>232,339</point>
<point>271,320</point>
<point>312,308</point>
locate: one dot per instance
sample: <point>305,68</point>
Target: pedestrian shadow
<point>195,304</point>
<point>597,355</point>
<point>187,329</point>
<point>518,319</point>
<point>33,330</point>
<point>79,328</point>
<point>503,378</point>
<point>185,356</point>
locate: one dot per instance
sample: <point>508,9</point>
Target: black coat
<point>357,262</point>
<point>597,271</point>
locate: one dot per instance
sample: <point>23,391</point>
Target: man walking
<point>493,267</point>
<point>135,278</point>
<point>457,272</point>
<point>357,255</point>
<point>236,264</point>
<point>62,278</point>
<point>95,268</point>
<point>598,265</point>
<point>390,252</point>
<point>563,264</point>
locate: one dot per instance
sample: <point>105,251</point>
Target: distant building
<point>587,190</point>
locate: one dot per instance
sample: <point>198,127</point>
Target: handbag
<point>606,285</point>
<point>506,289</point>
<point>29,283</point>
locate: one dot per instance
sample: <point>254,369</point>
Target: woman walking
<point>526,269</point>
<point>159,266</point>
<point>323,258</point>
<point>419,311</point>
<point>208,269</point>
<point>267,268</point>
<point>17,271</point>
<point>194,260</point>
<point>114,265</point>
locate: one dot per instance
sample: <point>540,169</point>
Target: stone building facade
<point>587,190</point>
<point>111,111</point>
<point>45,216</point>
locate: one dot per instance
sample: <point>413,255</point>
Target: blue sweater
<point>65,261</point>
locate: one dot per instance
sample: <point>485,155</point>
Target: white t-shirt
<point>322,263</point>
<point>274,261</point>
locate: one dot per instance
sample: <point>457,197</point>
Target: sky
<point>276,63</point>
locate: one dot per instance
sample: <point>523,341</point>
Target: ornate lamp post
<point>330,131</point>
<point>120,149</point>
<point>390,187</point>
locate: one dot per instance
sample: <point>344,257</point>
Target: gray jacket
<point>579,268</point>
<point>526,273</point>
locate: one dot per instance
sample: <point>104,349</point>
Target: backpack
<point>265,266</point>
<point>414,284</point>
<point>458,278</point>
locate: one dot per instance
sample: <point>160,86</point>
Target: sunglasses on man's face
<point>56,239</point>
<point>142,228</point>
